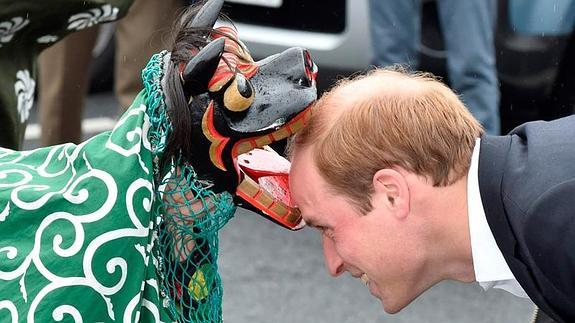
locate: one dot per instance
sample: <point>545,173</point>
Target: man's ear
<point>392,191</point>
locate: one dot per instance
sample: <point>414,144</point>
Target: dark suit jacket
<point>527,185</point>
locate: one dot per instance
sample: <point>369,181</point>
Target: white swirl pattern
<point>9,27</point>
<point>11,309</point>
<point>5,212</point>
<point>24,88</point>
<point>47,39</point>
<point>80,218</point>
<point>92,17</point>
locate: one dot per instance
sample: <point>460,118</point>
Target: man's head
<point>374,150</point>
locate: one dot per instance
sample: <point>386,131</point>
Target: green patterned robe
<point>79,226</point>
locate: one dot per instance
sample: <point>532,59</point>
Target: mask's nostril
<point>308,60</point>
<point>304,81</point>
<point>309,67</point>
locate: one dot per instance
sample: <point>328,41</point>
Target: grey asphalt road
<point>272,275</point>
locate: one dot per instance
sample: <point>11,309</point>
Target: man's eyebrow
<point>311,222</point>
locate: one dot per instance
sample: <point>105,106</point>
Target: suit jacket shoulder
<point>527,185</point>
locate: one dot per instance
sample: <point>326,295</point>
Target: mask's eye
<point>239,95</point>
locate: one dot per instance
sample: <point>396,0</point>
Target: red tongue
<point>271,173</point>
<point>259,162</point>
<point>270,170</point>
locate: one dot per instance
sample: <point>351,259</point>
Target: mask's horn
<point>208,14</point>
<point>201,68</point>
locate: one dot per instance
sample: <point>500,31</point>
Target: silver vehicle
<point>534,41</point>
<point>535,45</point>
<point>335,31</point>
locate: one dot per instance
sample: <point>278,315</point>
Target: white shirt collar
<point>491,270</point>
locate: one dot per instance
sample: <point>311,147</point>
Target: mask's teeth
<point>287,130</point>
<point>364,279</point>
<point>244,147</point>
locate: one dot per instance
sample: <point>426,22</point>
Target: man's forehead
<point>305,185</point>
<point>312,212</point>
<point>309,190</point>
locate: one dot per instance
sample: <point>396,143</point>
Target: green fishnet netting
<point>188,217</point>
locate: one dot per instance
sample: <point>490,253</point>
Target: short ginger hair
<point>383,119</point>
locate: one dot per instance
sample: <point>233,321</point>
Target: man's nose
<point>333,261</point>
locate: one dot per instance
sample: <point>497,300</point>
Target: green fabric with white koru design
<point>84,232</point>
<point>26,28</point>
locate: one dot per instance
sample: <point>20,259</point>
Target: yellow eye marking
<point>239,95</point>
<point>218,142</point>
